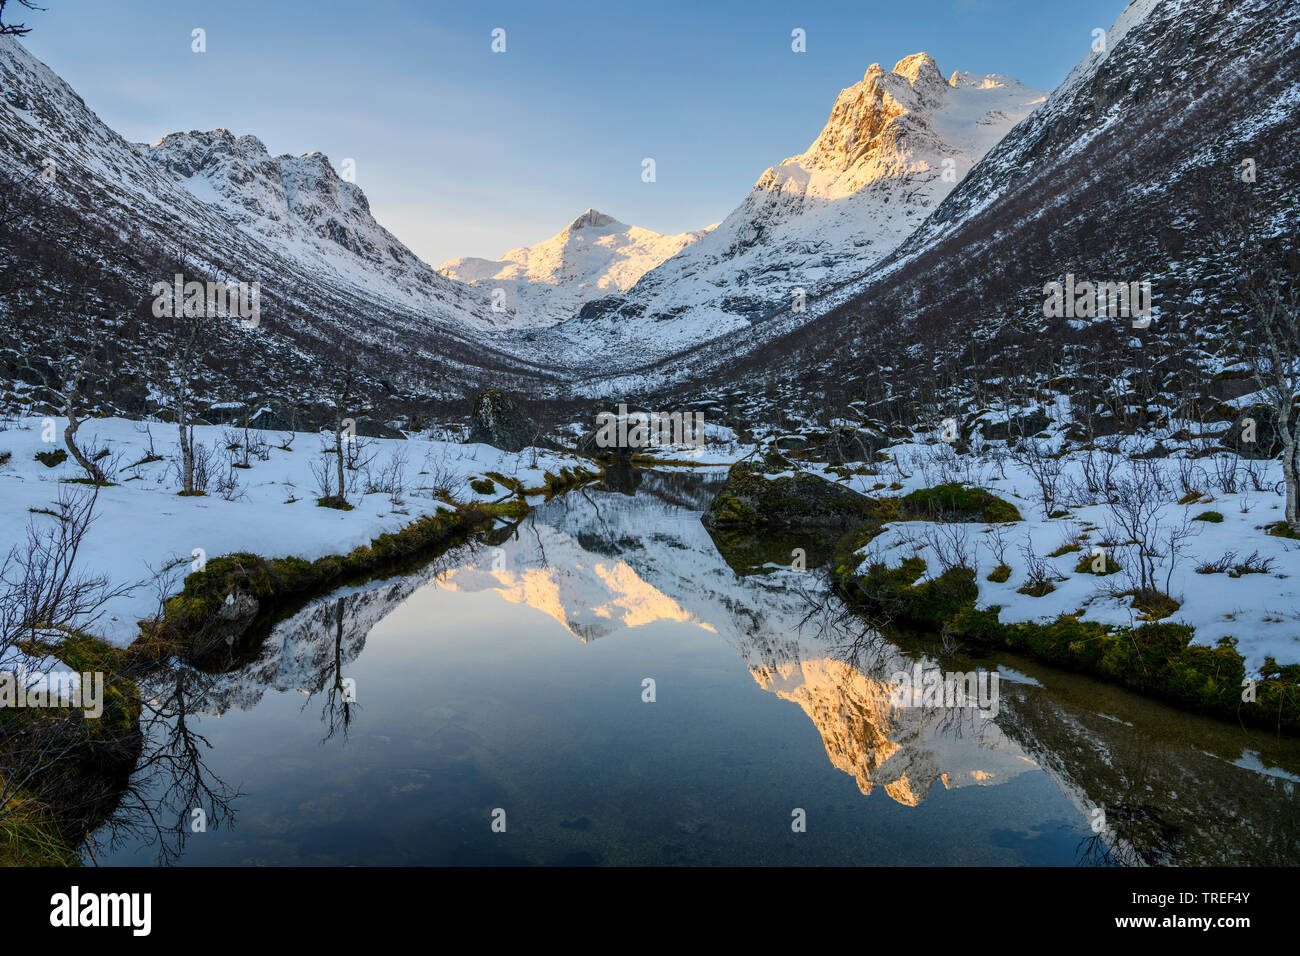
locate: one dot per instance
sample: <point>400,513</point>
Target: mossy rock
<point>752,499</point>
<point>1211,516</point>
<point>483,486</point>
<point>1041,589</point>
<point>1001,574</point>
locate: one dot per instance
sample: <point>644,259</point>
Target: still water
<point>502,715</point>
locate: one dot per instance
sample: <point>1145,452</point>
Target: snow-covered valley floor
<point>143,527</point>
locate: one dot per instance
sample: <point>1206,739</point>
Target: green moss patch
<point>1086,565</point>
<point>52,459</point>
<point>957,502</point>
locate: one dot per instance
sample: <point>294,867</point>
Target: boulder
<point>753,498</point>
<point>1268,435</point>
<point>497,420</point>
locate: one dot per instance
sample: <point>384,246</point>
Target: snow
<point>143,526</point>
<point>593,256</point>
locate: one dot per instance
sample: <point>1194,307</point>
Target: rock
<point>498,421</point>
<point>844,444</point>
<point>1268,437</point>
<point>752,499</point>
<point>1022,426</point>
<point>369,428</point>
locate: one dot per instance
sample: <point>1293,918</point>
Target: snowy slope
<point>305,211</point>
<point>896,143</point>
<point>331,278</point>
<point>594,256</point>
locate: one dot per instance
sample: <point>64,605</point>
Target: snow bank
<point>143,527</point>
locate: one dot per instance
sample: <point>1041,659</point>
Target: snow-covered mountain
<point>594,256</point>
<point>895,144</point>
<point>1108,177</point>
<point>97,220</point>
<point>305,210</point>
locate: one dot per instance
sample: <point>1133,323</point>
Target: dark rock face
<point>752,499</point>
<point>369,428</point>
<point>1268,437</point>
<point>498,421</point>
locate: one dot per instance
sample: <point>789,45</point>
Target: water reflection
<point>1166,787</point>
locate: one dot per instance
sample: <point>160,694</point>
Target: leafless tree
<point>184,359</point>
<point>15,29</point>
<point>45,595</point>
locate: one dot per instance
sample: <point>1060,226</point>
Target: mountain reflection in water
<point>639,575</point>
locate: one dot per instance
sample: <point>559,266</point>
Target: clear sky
<point>463,151</point>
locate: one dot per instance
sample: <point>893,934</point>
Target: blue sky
<point>466,152</point>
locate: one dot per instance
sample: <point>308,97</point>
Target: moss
<point>1041,589</point>
<point>1281,529</point>
<point>337,502</point>
<point>566,480</point>
<point>281,585</point>
<point>1085,566</point>
<point>52,459</point>
<point>751,499</point>
<point>1001,574</point>
<point>1065,549</point>
<point>1154,605</point>
<point>483,486</point>
<point>1212,516</point>
<point>505,481</point>
<point>957,502</point>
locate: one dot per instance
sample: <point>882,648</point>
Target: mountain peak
<point>592,219</point>
<point>918,66</point>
